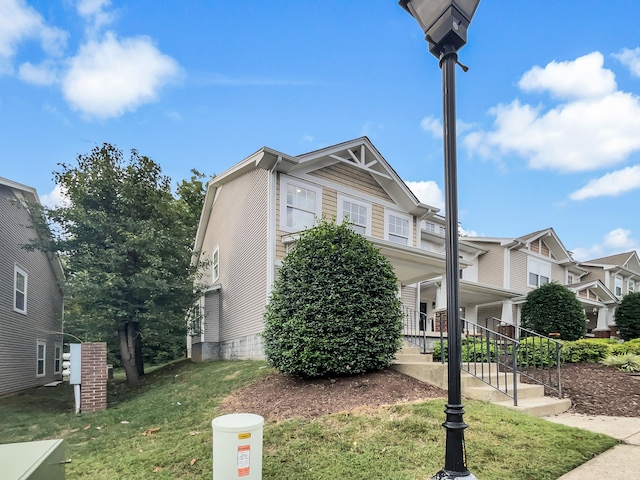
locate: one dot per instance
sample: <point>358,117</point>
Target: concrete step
<point>539,406</point>
<point>403,357</point>
<point>410,349</point>
<point>490,394</point>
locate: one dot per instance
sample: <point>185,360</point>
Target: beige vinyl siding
<point>408,296</point>
<point>329,203</point>
<point>558,274</point>
<point>595,273</point>
<point>491,265</point>
<point>519,271</point>
<point>238,224</point>
<point>377,221</point>
<point>352,177</point>
<point>19,333</point>
<point>490,311</point>
<point>211,321</point>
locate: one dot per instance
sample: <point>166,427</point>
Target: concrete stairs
<point>531,398</point>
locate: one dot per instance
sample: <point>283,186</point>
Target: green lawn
<point>399,442</point>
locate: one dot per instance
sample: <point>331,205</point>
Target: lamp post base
<point>446,475</point>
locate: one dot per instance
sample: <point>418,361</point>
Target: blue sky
<point>548,114</point>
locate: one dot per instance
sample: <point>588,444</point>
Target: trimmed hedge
<point>334,308</point>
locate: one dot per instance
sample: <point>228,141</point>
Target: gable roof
<point>30,196</point>
<point>562,255</point>
<point>596,286</point>
<point>358,153</point>
<point>628,261</point>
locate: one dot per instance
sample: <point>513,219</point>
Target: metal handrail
<point>415,326</point>
<point>492,356</point>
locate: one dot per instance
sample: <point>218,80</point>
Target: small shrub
<point>554,308</point>
<point>536,352</point>
<point>628,316</point>
<point>627,362</point>
<point>472,350</point>
<point>632,346</point>
<point>586,350</point>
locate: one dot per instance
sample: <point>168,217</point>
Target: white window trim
<point>43,359</point>
<point>631,286</point>
<point>16,270</point>
<point>395,213</point>
<point>215,266</point>
<point>537,262</point>
<point>57,357</point>
<point>285,181</point>
<point>617,279</point>
<point>341,214</point>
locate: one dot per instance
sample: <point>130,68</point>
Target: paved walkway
<point>619,462</point>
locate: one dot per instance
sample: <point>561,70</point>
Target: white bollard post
<point>237,446</point>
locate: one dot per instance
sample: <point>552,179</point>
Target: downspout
<point>271,227</point>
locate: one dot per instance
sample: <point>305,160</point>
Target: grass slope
<point>402,442</point>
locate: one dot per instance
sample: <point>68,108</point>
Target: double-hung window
<point>41,357</point>
<point>618,286</point>
<point>398,228</point>
<point>539,272</point>
<point>19,290</point>
<point>300,204</point>
<point>631,286</point>
<point>357,213</point>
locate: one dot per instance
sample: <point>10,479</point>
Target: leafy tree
<point>334,309</point>
<point>628,316</point>
<point>554,308</point>
<point>127,244</point>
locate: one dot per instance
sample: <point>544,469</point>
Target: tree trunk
<point>138,349</point>
<point>126,340</point>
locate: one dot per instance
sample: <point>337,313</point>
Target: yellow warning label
<point>244,436</point>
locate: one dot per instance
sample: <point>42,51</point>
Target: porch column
<point>441,295</point>
<point>471,314</point>
<point>602,328</point>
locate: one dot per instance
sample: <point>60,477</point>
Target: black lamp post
<point>445,24</point>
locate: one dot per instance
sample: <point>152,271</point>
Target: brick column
<point>93,390</point>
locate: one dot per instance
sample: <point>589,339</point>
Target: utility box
<point>237,446</point>
<point>42,460</point>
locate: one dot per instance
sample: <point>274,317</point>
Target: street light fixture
<point>445,24</point>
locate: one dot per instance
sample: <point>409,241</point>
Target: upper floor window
<point>631,286</point>
<point>215,265</point>
<point>539,272</point>
<point>300,204</point>
<point>41,356</point>
<point>569,279</point>
<point>618,287</point>
<point>19,290</point>
<point>433,228</point>
<point>398,228</point>
<point>355,212</point>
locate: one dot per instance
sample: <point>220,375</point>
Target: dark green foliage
<point>552,308</point>
<point>334,309</point>
<point>537,352</point>
<point>586,350</point>
<point>472,350</point>
<point>628,316</point>
<point>127,243</point>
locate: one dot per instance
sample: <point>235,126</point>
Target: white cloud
<point>42,74</point>
<point>611,184</point>
<point>567,79</point>
<point>630,59</point>
<point>93,11</point>
<point>616,241</point>
<point>432,125</point>
<point>110,77</point>
<point>428,192</point>
<point>597,128</point>
<point>19,22</point>
<point>56,198</point>
<point>467,233</point>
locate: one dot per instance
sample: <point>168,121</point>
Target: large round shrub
<point>628,316</point>
<point>553,308</point>
<point>334,309</point>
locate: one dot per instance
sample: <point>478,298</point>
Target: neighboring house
<point>254,211</point>
<point>31,299</point>
<point>607,280</point>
